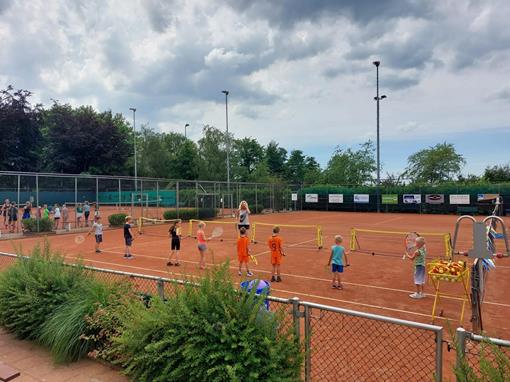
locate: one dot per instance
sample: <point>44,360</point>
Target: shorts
<point>79,215</point>
<point>246,226</point>
<point>129,241</point>
<point>337,268</point>
<point>175,244</point>
<point>202,247</point>
<point>87,214</point>
<point>56,218</point>
<point>243,258</point>
<point>99,239</point>
<point>276,258</point>
<point>13,219</point>
<point>419,274</point>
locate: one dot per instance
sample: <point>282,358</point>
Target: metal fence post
<point>308,339</point>
<point>119,206</point>
<point>296,314</point>
<point>177,198</point>
<point>439,355</point>
<point>460,339</point>
<point>38,210</point>
<point>161,289</point>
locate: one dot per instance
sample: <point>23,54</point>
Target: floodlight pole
<point>226,92</point>
<point>185,133</point>
<point>134,141</point>
<point>377,98</point>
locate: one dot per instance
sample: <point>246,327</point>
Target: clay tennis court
<point>377,283</point>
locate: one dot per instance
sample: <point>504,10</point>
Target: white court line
<point>388,220</point>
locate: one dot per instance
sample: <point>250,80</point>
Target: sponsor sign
<point>411,198</point>
<point>361,198</point>
<point>336,198</point>
<point>487,197</point>
<point>293,197</point>
<point>459,199</point>
<point>389,199</point>
<point>311,198</point>
<point>434,198</point>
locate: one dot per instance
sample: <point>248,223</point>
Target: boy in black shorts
<point>128,238</point>
<point>175,243</point>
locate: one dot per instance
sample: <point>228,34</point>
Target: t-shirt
<point>127,233</point>
<point>46,213</point>
<point>86,207</point>
<point>174,232</point>
<point>57,212</point>
<point>99,228</point>
<point>65,212</point>
<point>337,252</point>
<point>420,257</point>
<point>275,244</point>
<point>242,246</point>
<point>79,210</point>
<point>13,212</point>
<point>244,217</point>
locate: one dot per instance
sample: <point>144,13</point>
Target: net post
<point>352,245</point>
<point>253,232</point>
<point>447,243</point>
<point>190,227</point>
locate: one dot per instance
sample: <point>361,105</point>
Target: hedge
<point>191,213</point>
<point>117,220</point>
<point>35,225</point>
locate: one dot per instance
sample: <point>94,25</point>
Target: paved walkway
<point>36,365</point>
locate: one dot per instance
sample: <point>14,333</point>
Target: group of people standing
<point>60,215</point>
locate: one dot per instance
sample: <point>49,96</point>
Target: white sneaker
<point>415,295</point>
<point>240,273</point>
<point>422,295</point>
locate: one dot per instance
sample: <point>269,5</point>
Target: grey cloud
<point>160,13</point>
<point>501,94</point>
<point>4,5</point>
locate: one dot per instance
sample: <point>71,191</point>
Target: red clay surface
<point>376,284</point>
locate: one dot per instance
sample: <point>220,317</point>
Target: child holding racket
<point>202,244</point>
<point>275,246</point>
<point>98,227</point>
<point>418,256</point>
<point>337,259</point>
<point>243,252</point>
<point>175,243</point>
<point>128,238</point>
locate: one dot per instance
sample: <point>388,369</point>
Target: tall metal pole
<point>185,132</point>
<point>134,142</point>
<point>377,98</point>
<point>226,92</point>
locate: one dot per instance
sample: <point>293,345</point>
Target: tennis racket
<point>79,239</point>
<point>410,243</point>
<point>217,232</point>
<point>254,260</point>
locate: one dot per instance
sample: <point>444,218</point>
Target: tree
<point>275,159</point>
<point>20,134</point>
<point>435,164</point>
<point>313,173</point>
<point>82,140</point>
<point>247,155</point>
<point>497,173</point>
<point>212,151</point>
<point>295,168</point>
<point>185,165</point>
<point>351,167</point>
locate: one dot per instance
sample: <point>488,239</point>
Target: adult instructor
<point>243,216</point>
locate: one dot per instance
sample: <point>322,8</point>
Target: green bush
<point>66,332</point>
<point>191,213</point>
<point>32,289</point>
<point>44,225</point>
<point>208,333</point>
<point>117,220</point>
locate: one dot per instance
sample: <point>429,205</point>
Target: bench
<point>8,373</point>
<point>465,210</point>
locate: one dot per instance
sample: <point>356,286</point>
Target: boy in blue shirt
<point>337,259</point>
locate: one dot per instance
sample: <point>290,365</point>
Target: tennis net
<point>306,236</point>
<point>229,228</point>
<point>392,243</point>
<point>154,227</point>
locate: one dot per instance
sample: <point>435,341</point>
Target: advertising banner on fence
<point>361,198</point>
<point>459,199</point>
<point>487,197</point>
<point>389,199</point>
<point>311,198</point>
<point>293,197</point>
<point>434,198</point>
<point>411,198</point>
<point>336,198</point>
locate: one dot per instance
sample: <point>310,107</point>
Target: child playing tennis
<point>175,243</point>
<point>243,252</point>
<point>128,238</point>
<point>337,259</point>
<point>275,246</point>
<point>202,244</point>
<point>98,227</point>
<point>419,256</point>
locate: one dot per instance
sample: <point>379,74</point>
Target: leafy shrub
<point>191,213</point>
<point>66,332</point>
<point>208,333</point>
<point>117,220</point>
<point>31,225</point>
<point>32,289</point>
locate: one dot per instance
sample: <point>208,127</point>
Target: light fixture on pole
<point>134,141</point>
<point>378,98</point>
<point>185,133</point>
<point>226,92</point>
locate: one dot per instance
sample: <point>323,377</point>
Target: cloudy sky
<point>298,71</point>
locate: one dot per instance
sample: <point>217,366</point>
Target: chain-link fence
<point>478,352</point>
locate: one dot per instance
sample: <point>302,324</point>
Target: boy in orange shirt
<point>275,245</point>
<point>243,251</point>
